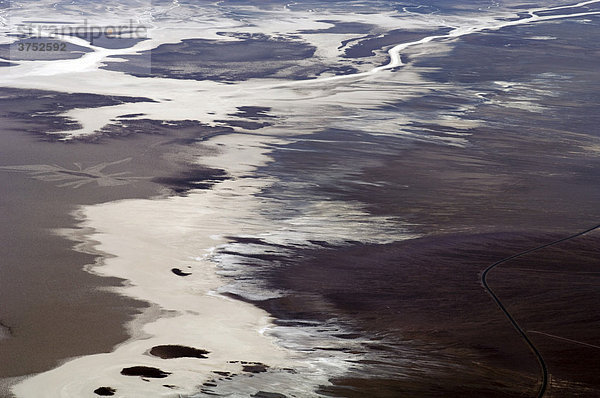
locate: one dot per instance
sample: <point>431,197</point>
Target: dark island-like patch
<point>266,394</point>
<point>130,115</point>
<point>179,272</point>
<point>244,124</point>
<point>194,178</point>
<point>41,112</point>
<point>145,371</point>
<point>254,367</point>
<point>177,351</point>
<point>340,27</point>
<point>105,391</point>
<point>253,112</point>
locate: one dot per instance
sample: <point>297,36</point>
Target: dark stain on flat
<point>130,115</point>
<point>179,272</point>
<point>245,124</point>
<point>253,112</point>
<point>177,351</point>
<point>254,367</point>
<point>266,394</point>
<point>196,178</point>
<point>145,371</point>
<point>105,391</point>
<point>341,28</point>
<point>42,112</point>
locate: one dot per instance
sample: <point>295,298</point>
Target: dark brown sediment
<point>436,331</point>
<point>519,179</point>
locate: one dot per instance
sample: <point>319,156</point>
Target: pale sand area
<point>141,241</point>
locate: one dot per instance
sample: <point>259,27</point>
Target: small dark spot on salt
<point>179,272</point>
<point>144,371</point>
<point>105,391</point>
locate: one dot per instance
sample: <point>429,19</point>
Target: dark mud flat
<point>39,112</point>
<point>511,55</point>
<point>254,55</point>
<point>343,28</point>
<point>521,179</point>
<point>52,309</point>
<point>436,332</point>
<point>250,118</point>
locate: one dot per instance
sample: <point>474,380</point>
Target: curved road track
<point>515,324</point>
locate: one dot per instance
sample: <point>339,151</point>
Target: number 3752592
<point>42,47</point>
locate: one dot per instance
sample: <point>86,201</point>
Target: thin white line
<point>564,338</point>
